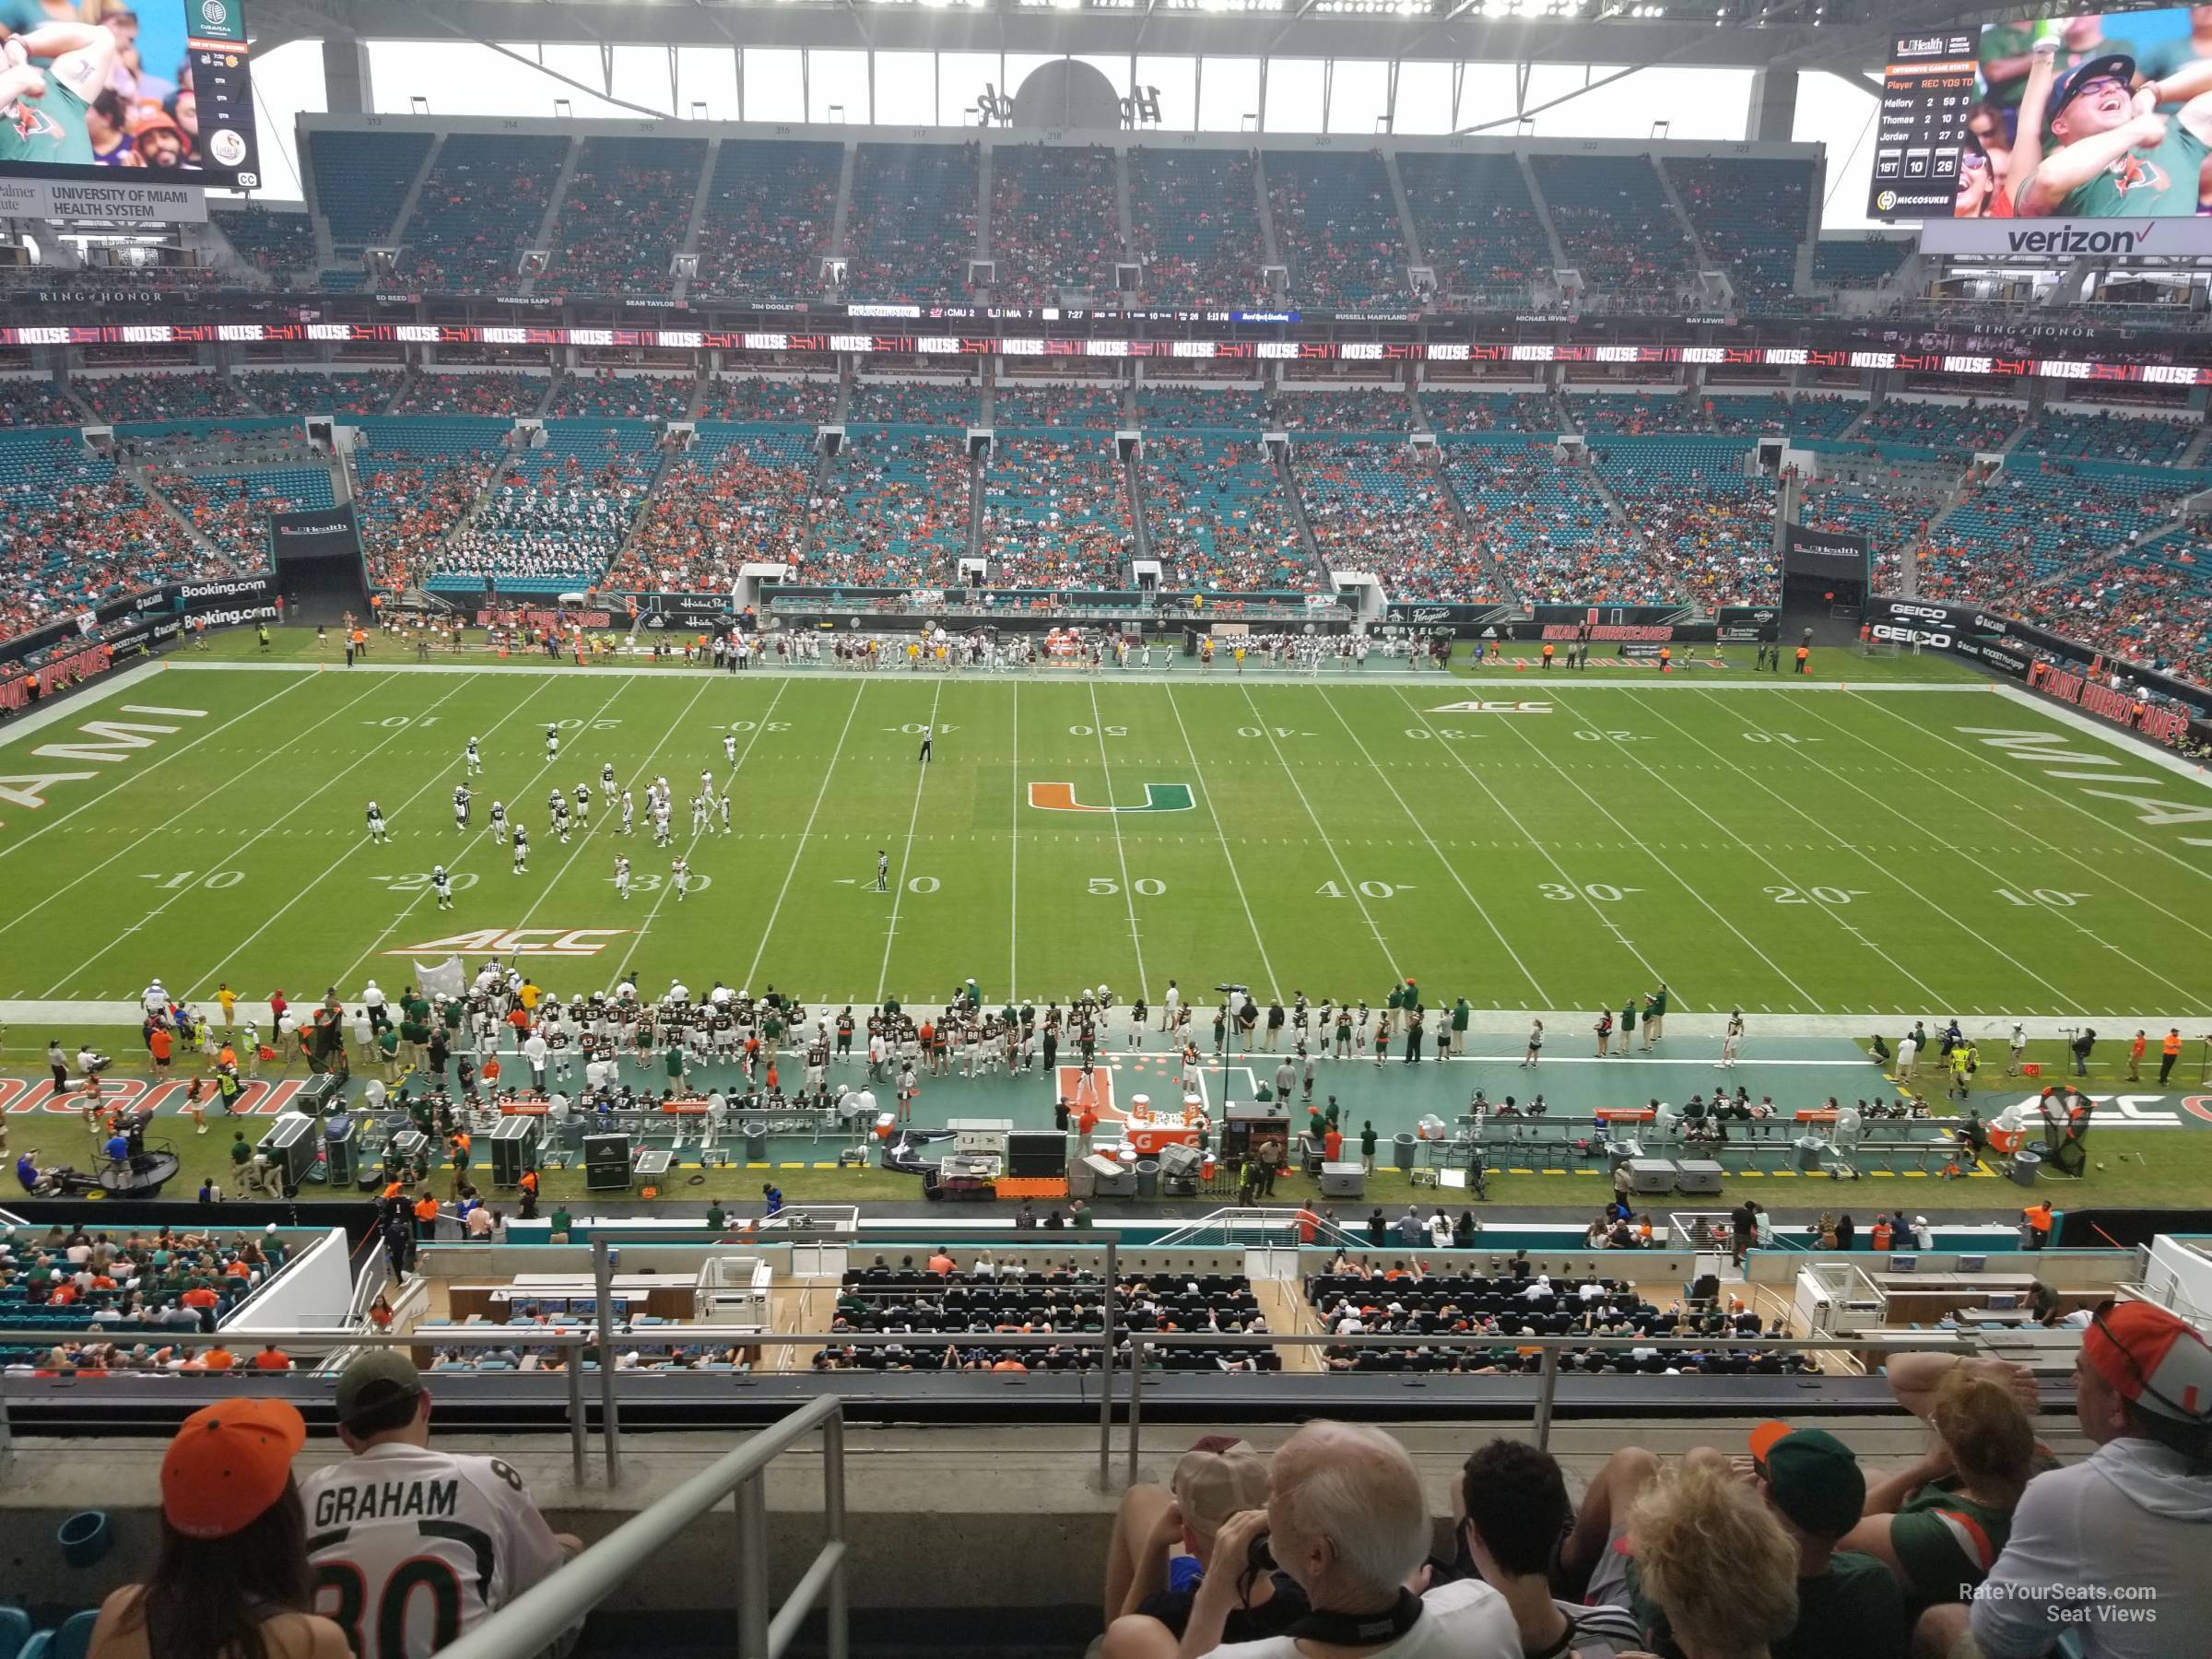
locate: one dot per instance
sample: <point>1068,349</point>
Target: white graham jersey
<point>412,1548</point>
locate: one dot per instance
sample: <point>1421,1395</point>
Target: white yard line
<point>168,824</point>
<point>267,830</point>
<point>1831,911</point>
<point>799,851</point>
<point>1136,943</point>
<point>1691,887</point>
<point>1413,819</point>
<point>474,839</point>
<point>668,886</point>
<point>126,778</point>
<point>1351,886</point>
<point>2194,1000</point>
<point>1597,910</point>
<point>1275,989</point>
<point>906,856</point>
<point>1843,845</point>
<point>2061,798</point>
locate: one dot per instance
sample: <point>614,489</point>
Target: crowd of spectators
<point>1478,223</point>
<point>1457,411</point>
<point>1373,506</point>
<point>808,403</point>
<point>478,209</point>
<point>1056,514</point>
<point>1196,217</point>
<point>1708,528</point>
<point>559,514</point>
<point>739,496</point>
<point>914,403</point>
<point>1636,414</point>
<point>1806,415</point>
<point>483,392</point>
<point>194,394</point>
<point>893,512</point>
<point>1091,408</point>
<point>1750,214</point>
<point>769,208</point>
<point>269,241</point>
<point>1540,518</point>
<point>910,228</point>
<point>29,400</point>
<point>128,1286</point>
<point>1055,222</point>
<point>1971,425</point>
<point>1226,407</point>
<point>2152,606</point>
<point>623,216</point>
<point>608,396</point>
<point>1615,224</point>
<point>1352,409</point>
<point>2107,436</point>
<point>413,480</point>
<point>1218,519</point>
<point>75,533</point>
<point>232,510</point>
<point>1336,222</point>
<point>2038,518</point>
<point>320,392</point>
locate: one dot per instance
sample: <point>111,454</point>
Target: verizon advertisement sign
<point>2065,239</point>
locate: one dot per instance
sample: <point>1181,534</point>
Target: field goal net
<point>1865,645</point>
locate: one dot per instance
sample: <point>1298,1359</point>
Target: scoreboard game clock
<point>1926,92</point>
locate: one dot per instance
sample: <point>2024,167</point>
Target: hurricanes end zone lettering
<point>1158,797</point>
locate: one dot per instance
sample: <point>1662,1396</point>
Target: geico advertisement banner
<point>2065,239</point>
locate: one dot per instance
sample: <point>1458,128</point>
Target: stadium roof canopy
<point>1845,36</point>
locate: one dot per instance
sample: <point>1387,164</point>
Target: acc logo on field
<point>1494,708</point>
<point>1158,797</point>
<point>519,941</point>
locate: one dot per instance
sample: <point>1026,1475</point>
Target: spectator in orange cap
<point>231,1579</point>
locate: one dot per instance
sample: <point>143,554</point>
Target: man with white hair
<point>1348,1521</point>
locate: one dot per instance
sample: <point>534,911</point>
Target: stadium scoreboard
<point>1927,89</point>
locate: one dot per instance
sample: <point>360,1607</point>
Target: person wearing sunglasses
<point>2112,1551</point>
<point>2113,154</point>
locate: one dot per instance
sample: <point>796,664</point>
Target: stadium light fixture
<point>564,110</point>
<point>699,109</point>
<point>418,105</point>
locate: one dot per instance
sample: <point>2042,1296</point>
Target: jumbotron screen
<point>2085,117</point>
<point>93,91</point>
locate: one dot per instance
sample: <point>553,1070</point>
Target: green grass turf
<point>1786,848</point>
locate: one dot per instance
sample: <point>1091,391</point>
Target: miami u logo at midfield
<point>1158,797</point>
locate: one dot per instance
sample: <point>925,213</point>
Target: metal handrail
<point>539,1619</point>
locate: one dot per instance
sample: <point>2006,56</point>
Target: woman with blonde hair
<point>1941,1523</point>
<point>1712,1558</point>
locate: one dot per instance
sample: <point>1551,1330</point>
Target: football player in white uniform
<point>552,743</point>
<point>443,885</point>
<point>376,823</point>
<point>621,877</point>
<point>499,820</point>
<point>476,760</point>
<point>461,800</point>
<point>682,872</point>
<point>629,811</point>
<point>412,1548</point>
<point>522,850</point>
<point>729,748</point>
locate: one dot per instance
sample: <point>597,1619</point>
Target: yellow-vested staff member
<point>2117,156</point>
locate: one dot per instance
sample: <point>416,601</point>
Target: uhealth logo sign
<point>1158,797</point>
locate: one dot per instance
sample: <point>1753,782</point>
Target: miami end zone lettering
<point>106,741</point>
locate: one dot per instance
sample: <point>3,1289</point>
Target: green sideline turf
<point>1896,854</point>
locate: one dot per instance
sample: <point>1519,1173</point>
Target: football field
<point>1541,843</point>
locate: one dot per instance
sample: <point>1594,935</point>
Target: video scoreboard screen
<point>1971,114</point>
<point>101,94</point>
<point>1926,92</point>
